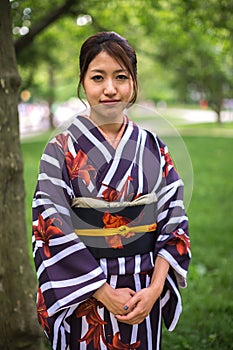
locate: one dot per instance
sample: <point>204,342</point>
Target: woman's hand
<point>140,305</point>
<point>114,299</point>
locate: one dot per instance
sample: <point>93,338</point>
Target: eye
<point>122,77</point>
<point>97,77</point>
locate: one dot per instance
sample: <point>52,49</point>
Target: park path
<point>165,120</point>
<point>170,121</point>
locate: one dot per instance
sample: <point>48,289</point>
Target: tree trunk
<point>19,328</point>
<point>217,107</point>
<point>219,119</point>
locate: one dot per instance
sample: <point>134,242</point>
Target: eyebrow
<point>103,71</point>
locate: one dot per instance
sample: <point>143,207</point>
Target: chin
<point>109,111</point>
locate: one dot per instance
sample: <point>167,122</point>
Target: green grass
<point>207,129</point>
<point>207,318</point>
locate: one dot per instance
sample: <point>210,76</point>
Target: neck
<point>111,129</point>
<point>108,126</point>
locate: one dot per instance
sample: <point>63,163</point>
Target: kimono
<point>80,164</point>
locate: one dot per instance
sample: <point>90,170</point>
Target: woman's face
<point>108,86</point>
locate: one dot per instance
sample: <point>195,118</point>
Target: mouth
<point>109,102</point>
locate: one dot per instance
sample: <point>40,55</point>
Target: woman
<point>110,239</point>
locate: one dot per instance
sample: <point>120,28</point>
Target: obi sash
<point>96,220</point>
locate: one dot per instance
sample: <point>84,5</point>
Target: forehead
<point>103,61</point>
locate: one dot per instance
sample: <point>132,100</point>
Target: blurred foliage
<point>184,47</point>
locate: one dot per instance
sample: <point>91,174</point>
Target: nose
<point>110,88</point>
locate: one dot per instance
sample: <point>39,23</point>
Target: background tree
<point>195,49</point>
<point>185,47</point>
<point>37,56</point>
<point>18,324</point>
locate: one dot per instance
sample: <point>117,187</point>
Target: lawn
<point>207,319</point>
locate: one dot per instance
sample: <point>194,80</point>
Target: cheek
<point>128,90</point>
<point>92,93</point>
<point>90,89</point>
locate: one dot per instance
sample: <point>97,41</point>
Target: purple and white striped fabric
<point>81,163</point>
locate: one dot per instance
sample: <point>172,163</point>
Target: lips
<point>109,102</point>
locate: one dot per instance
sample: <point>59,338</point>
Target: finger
<point>128,317</point>
<point>132,293</point>
<point>131,303</point>
<point>132,321</point>
<point>127,309</point>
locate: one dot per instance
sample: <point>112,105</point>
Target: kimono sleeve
<point>173,243</point>
<point>67,272</point>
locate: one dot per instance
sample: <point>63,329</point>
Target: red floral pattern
<point>111,195</point>
<point>95,332</point>
<point>118,345</point>
<point>78,167</point>
<point>42,313</point>
<point>62,142</point>
<point>111,221</point>
<point>44,231</point>
<point>181,241</point>
<point>168,161</point>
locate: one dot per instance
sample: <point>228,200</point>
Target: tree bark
<point>19,328</point>
<point>217,107</point>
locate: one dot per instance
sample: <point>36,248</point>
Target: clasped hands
<point>127,305</point>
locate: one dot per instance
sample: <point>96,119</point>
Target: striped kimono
<point>80,163</point>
